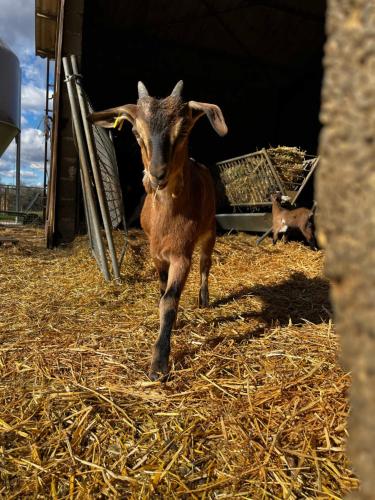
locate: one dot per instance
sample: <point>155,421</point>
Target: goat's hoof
<point>158,376</point>
<point>158,370</point>
<point>203,301</point>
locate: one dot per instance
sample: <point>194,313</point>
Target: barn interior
<point>259,60</point>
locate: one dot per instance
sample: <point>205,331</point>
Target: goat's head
<point>162,128</point>
<point>276,196</point>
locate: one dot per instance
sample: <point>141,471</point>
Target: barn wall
<point>346,194</point>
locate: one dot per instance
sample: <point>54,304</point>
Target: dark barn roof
<point>262,32</point>
<point>232,27</point>
<point>46,12</point>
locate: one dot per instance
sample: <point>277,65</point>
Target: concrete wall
<point>346,194</point>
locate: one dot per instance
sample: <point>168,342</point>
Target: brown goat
<point>299,218</point>
<point>179,209</point>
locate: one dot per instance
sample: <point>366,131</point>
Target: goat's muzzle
<point>159,177</point>
<point>158,183</point>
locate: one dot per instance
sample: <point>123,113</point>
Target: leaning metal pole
<point>95,168</point>
<point>95,226</point>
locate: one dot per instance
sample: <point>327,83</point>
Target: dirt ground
<point>255,407</point>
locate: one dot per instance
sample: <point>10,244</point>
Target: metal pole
<point>18,171</point>
<point>95,168</point>
<point>259,240</point>
<point>46,135</point>
<point>87,215</point>
<point>306,180</point>
<point>85,169</point>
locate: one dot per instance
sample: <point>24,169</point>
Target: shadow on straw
<point>297,299</point>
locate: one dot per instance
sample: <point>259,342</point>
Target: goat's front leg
<point>205,265</point>
<point>275,236</point>
<point>162,269</point>
<point>178,271</point>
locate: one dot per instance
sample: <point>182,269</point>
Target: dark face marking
<point>276,197</point>
<point>161,128</point>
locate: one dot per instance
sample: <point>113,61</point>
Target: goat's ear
<point>213,113</point>
<point>108,117</point>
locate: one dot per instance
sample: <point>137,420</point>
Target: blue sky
<point>17,18</point>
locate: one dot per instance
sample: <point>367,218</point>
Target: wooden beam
<point>51,201</point>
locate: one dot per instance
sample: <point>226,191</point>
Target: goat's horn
<point>142,91</point>
<point>176,92</point>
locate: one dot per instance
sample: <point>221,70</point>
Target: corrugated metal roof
<point>46,14</point>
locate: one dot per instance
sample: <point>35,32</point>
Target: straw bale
<point>255,407</point>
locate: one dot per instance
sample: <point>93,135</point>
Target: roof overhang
<point>46,23</point>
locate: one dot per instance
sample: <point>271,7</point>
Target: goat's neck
<point>276,206</point>
<point>179,186</point>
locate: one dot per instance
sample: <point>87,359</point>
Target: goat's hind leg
<point>178,272</point>
<point>309,235</point>
<point>207,246</point>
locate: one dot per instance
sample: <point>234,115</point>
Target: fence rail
<point>31,198</point>
<point>31,205</point>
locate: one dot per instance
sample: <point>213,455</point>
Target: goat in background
<point>298,218</point>
<point>179,209</point>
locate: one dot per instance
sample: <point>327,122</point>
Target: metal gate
<point>99,177</point>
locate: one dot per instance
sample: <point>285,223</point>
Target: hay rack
<point>249,180</point>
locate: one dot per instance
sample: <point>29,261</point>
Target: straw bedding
<point>255,407</point>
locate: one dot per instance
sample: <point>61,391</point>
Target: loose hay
<point>289,163</point>
<point>256,406</point>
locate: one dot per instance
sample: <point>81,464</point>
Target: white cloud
<point>27,175</point>
<point>8,160</point>
<point>32,99</point>
<point>8,174</point>
<point>32,148</point>
<point>17,29</point>
<point>32,156</point>
<point>17,25</point>
<point>33,69</point>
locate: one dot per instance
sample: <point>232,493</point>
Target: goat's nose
<point>160,175</point>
